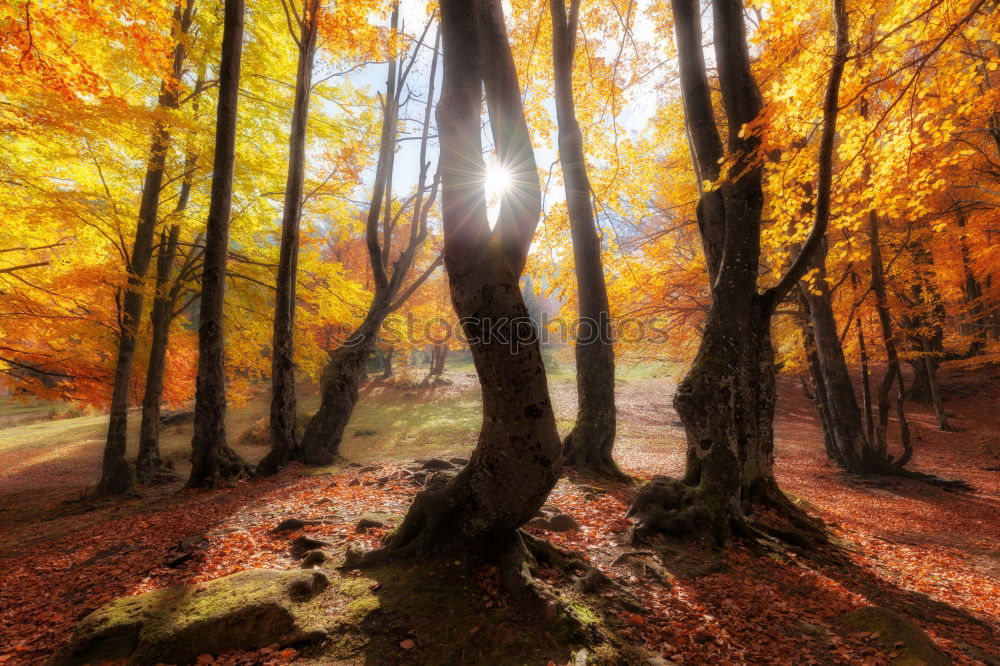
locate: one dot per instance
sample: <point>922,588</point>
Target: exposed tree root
<point>679,512</point>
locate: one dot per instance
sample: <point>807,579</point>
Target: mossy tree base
<point>685,515</point>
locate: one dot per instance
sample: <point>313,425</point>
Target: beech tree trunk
<point>518,458</point>
<point>212,461</point>
<point>341,379</point>
<point>439,353</point>
<point>387,362</point>
<point>282,424</point>
<point>116,473</point>
<point>149,464</point>
<point>854,452</point>
<point>894,372</point>
<point>346,366</point>
<point>588,445</point>
<point>726,400</point>
<point>977,320</point>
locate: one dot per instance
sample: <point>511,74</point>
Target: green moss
<point>583,612</point>
<point>354,587</point>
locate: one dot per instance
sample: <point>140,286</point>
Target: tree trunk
<point>341,379</point>
<point>588,445</point>
<point>346,366</point>
<point>116,473</point>
<point>855,452</point>
<point>517,459</point>
<point>282,424</point>
<point>976,321</point>
<point>439,352</point>
<point>212,461</point>
<point>894,372</point>
<point>387,362</point>
<point>817,389</point>
<point>726,400</point>
<point>866,386</point>
<point>149,465</point>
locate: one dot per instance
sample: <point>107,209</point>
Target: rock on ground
<point>247,610</point>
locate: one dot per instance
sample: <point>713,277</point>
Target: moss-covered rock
<point>248,610</point>
<point>897,633</point>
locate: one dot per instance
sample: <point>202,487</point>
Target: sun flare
<point>498,180</point>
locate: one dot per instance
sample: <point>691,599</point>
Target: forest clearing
<point>445,332</point>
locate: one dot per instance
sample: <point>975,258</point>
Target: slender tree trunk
<point>283,436</point>
<point>212,461</point>
<point>934,388</point>
<point>817,389</point>
<point>855,452</point>
<point>517,459</point>
<point>149,464</point>
<point>439,352</point>
<point>866,386</point>
<point>116,473</point>
<point>588,446</point>
<point>346,366</point>
<point>977,321</point>
<point>894,372</point>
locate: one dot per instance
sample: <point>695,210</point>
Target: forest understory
<point>927,553</point>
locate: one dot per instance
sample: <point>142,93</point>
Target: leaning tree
<point>393,249</point>
<point>726,400</point>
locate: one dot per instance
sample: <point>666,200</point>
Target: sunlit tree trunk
<point>212,461</point>
<point>116,473</point>
<point>282,424</point>
<point>517,458</point>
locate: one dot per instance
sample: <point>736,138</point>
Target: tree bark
<point>726,400</point>
<point>212,461</point>
<point>894,373</point>
<point>341,379</point>
<point>387,355</point>
<point>282,424</point>
<point>346,366</point>
<point>517,459</point>
<point>116,473</point>
<point>589,444</point>
<point>854,452</point>
<point>150,466</point>
<point>977,319</point>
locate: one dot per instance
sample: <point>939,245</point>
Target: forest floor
<point>930,554</point>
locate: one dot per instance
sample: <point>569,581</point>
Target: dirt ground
<point>931,554</point>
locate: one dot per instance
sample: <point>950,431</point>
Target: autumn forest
<point>556,332</point>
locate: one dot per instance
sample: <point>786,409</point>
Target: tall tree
<point>116,473</point>
<point>346,365</point>
<point>726,400</point>
<point>304,26</point>
<point>588,446</point>
<point>212,461</point>
<point>150,466</point>
<point>517,458</point>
